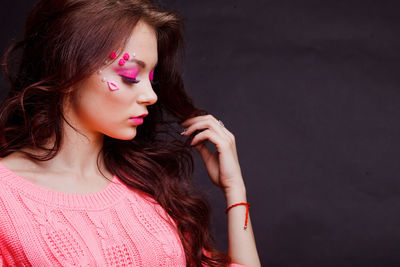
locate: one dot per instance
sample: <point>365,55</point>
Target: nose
<point>147,95</point>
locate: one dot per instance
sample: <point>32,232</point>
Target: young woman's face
<point>109,99</point>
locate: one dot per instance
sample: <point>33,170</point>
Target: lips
<point>138,120</point>
<point>141,116</point>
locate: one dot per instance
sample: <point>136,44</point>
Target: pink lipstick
<point>138,120</point>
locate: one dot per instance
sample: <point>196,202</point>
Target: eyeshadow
<point>151,75</point>
<point>129,72</point>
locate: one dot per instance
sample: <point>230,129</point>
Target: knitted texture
<point>117,226</point>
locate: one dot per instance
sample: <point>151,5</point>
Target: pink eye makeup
<point>151,78</point>
<point>151,75</point>
<point>128,74</point>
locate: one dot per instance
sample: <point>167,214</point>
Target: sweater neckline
<point>106,197</point>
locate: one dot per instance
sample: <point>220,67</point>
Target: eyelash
<point>132,80</point>
<point>129,80</point>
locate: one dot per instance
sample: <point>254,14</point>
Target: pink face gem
<point>122,62</point>
<point>126,56</point>
<point>113,55</point>
<point>113,85</point>
<point>151,75</point>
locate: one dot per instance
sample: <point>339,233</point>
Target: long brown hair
<point>65,42</point>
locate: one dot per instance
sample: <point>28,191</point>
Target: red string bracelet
<point>247,211</point>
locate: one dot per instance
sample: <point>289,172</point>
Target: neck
<point>79,155</point>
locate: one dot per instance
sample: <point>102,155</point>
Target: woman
<point>92,170</point>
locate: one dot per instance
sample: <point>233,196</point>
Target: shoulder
<point>16,164</point>
<point>8,165</point>
<point>16,161</point>
<point>11,167</point>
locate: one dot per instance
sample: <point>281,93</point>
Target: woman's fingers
<point>202,123</point>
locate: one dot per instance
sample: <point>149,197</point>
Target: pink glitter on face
<point>121,62</point>
<point>113,55</point>
<point>126,56</point>
<point>112,85</point>
<point>151,75</point>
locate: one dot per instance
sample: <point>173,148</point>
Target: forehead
<point>143,42</point>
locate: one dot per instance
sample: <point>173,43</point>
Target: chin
<point>125,135</point>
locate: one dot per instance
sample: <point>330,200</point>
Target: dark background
<point>311,91</point>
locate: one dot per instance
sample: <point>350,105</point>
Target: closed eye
<point>129,80</point>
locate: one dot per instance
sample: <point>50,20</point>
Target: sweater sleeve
<point>207,253</point>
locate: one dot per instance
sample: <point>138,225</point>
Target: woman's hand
<point>223,165</point>
<point>224,171</point>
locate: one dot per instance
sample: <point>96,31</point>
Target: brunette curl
<point>65,42</point>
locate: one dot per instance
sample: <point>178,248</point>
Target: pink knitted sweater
<point>116,226</point>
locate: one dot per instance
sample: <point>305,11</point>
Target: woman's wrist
<point>235,194</point>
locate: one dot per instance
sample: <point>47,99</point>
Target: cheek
<point>102,107</point>
<point>114,103</point>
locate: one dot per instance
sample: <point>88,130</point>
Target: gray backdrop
<point>310,90</point>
